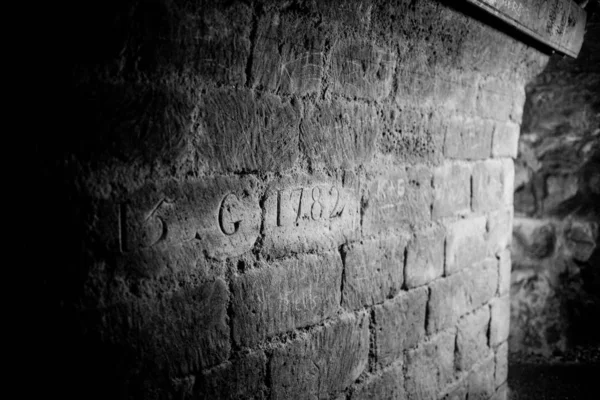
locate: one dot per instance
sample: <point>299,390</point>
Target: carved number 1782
<point>315,201</point>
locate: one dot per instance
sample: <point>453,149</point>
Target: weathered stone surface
<point>220,216</point>
<point>399,324</point>
<point>505,142</point>
<point>430,367</point>
<point>425,257</point>
<point>362,69</point>
<point>465,244</point>
<point>481,380</point>
<point>242,377</point>
<point>224,41</point>
<point>289,54</point>
<point>502,393</point>
<point>339,133</point>
<point>387,385</point>
<point>412,135</point>
<point>499,230</point>
<point>452,189</point>
<point>461,293</point>
<point>472,339</point>
<point>504,269</point>
<point>489,178</point>
<point>323,362</point>
<point>458,391</point>
<point>501,374</point>
<point>495,99</point>
<point>468,138</point>
<point>178,334</point>
<point>305,213</point>
<point>289,294</point>
<point>397,199</point>
<point>500,324</point>
<point>240,130</point>
<point>456,91</point>
<point>374,271</point>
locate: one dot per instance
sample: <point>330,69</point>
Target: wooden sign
<point>559,24</point>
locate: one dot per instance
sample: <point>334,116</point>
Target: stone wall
<point>284,200</point>
<point>556,259</point>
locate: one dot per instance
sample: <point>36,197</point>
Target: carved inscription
<point>315,203</point>
<point>305,213</point>
<point>220,216</point>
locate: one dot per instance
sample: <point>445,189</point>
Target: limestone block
<point>362,69</point>
<point>326,360</point>
<point>240,130</point>
<point>505,142</point>
<point>500,324</point>
<point>389,384</point>
<point>468,138</point>
<point>471,339</point>
<point>504,270</point>
<point>288,294</point>
<point>461,293</point>
<point>425,257</point>
<point>499,228</point>
<point>305,213</point>
<point>242,377</point>
<point>481,380</point>
<point>396,199</point>
<point>339,133</point>
<point>374,271</point>
<point>399,324</point>
<point>465,244</point>
<point>430,367</point>
<point>451,189</point>
<point>501,374</point>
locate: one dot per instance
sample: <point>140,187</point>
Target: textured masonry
<point>288,200</point>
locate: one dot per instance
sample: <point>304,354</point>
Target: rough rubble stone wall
<point>556,251</point>
<point>284,200</point>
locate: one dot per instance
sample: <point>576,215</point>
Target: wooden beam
<point>559,24</point>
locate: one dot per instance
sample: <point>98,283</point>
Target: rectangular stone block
<point>505,142</point>
<point>495,99</point>
<point>500,325</point>
<point>472,339</point>
<point>502,393</point>
<point>504,270</point>
<point>430,367</point>
<point>488,186</point>
<point>451,189</point>
<point>425,257</point>
<point>468,138</point>
<point>239,131</point>
<point>501,374</point>
<point>289,294</point>
<point>339,133</point>
<point>362,69</point>
<point>323,361</point>
<point>397,199</point>
<point>374,271</point>
<point>399,324</point>
<point>288,57</point>
<point>456,91</point>
<point>457,391</point>
<point>481,380</point>
<point>242,377</point>
<point>160,223</point>
<point>388,384</point>
<point>499,227</point>
<point>458,294</point>
<point>223,42</point>
<point>508,180</point>
<point>465,244</point>
<point>411,133</point>
<point>182,332</point>
<point>306,213</point>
